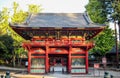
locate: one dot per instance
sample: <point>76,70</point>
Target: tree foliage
<point>104,42</point>
<point>18,52</point>
<point>6,47</point>
<point>96,11</point>
<point>4,24</point>
<point>19,15</point>
<point>116,8</point>
<point>33,9</point>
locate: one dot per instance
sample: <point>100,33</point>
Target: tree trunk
<point>119,29</point>
<point>20,61</point>
<point>14,61</point>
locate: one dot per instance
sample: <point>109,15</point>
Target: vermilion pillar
<point>86,61</point>
<point>69,59</point>
<point>29,61</point>
<point>46,60</point>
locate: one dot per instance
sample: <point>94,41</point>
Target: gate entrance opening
<point>58,63</point>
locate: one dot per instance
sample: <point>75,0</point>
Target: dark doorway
<point>58,60</point>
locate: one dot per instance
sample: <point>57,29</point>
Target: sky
<point>50,6</point>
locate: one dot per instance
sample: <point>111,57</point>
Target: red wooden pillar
<point>46,59</point>
<point>69,59</point>
<point>29,61</point>
<point>86,61</point>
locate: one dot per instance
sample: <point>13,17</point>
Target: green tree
<point>19,17</point>
<point>33,9</point>
<point>104,42</point>
<point>96,11</point>
<point>4,24</point>
<point>3,49</point>
<point>116,12</point>
<point>6,47</point>
<point>18,52</point>
<point>116,17</point>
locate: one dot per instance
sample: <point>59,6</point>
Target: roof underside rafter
<point>28,32</point>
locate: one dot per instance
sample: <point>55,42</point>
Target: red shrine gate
<point>71,54</point>
<point>58,41</point>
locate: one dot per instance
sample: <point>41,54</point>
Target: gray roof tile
<point>60,20</point>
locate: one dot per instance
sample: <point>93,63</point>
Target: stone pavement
<point>92,74</point>
<point>20,73</point>
<point>12,68</point>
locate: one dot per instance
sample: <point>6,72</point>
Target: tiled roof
<point>59,20</point>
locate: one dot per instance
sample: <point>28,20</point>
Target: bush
<point>2,62</point>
